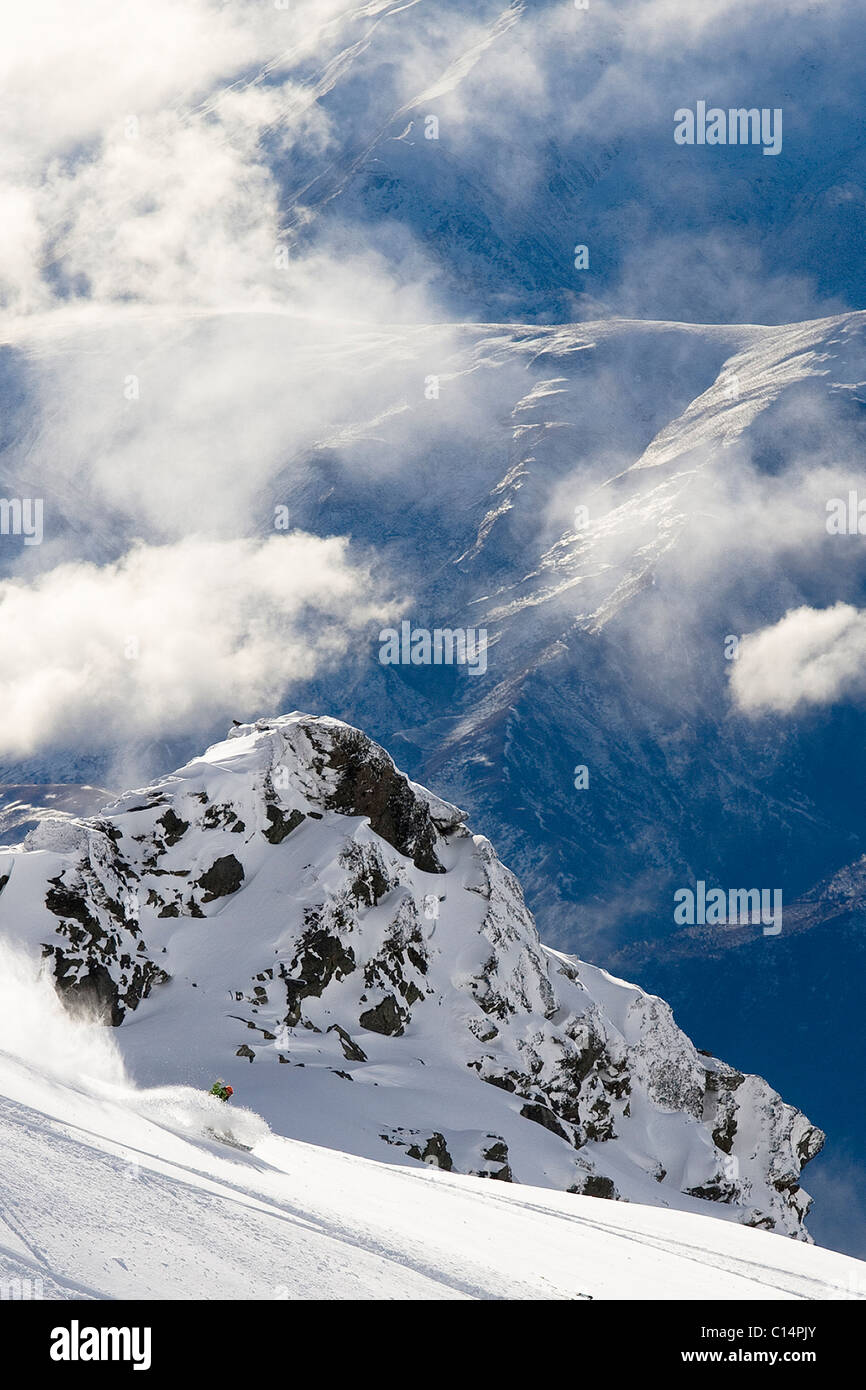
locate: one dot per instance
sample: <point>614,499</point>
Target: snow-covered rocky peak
<point>291,912</point>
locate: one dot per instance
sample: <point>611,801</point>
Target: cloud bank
<point>172,637</point>
<point>811,657</point>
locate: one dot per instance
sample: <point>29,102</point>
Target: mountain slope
<point>291,910</point>
<point>292,1221</point>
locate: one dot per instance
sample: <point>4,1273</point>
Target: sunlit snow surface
<point>111,1191</point>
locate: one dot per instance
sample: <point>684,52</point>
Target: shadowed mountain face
<point>495,139</point>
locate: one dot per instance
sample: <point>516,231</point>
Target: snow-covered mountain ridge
<point>291,910</point>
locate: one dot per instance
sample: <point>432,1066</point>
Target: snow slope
<point>111,1191</point>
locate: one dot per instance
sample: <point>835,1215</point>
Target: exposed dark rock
<point>174,827</point>
<point>720,1106</point>
<point>95,994</point>
<point>398,958</point>
<point>810,1145</point>
<point>224,876</point>
<point>504,1082</point>
<point>420,963</point>
<point>496,1153</point>
<point>320,958</point>
<point>385,1018</point>
<point>369,887</point>
<point>435,1152</point>
<point>65,902</point>
<point>723,1136</point>
<point>542,1116</point>
<point>369,785</point>
<point>281,824</point>
<point>221,815</point>
<point>761,1223</point>
<point>351,1051</point>
<point>487,996</point>
<point>597,1186</point>
<point>719,1191</point>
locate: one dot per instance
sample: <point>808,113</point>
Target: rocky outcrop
<point>224,876</point>
<point>368,784</point>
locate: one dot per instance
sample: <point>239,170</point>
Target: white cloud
<point>180,214</point>
<point>145,146</point>
<point>169,638</point>
<point>812,656</point>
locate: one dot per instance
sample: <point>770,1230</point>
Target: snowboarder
<point>221,1090</point>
